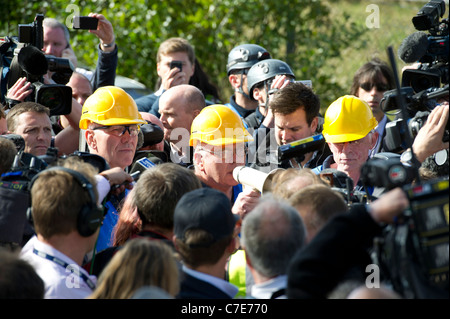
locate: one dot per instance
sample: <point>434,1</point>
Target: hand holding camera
<point>174,76</point>
<point>97,24</point>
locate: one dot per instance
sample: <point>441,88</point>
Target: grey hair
<point>271,234</point>
<point>53,23</point>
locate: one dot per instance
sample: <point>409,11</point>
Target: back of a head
<point>159,189</point>
<point>176,44</point>
<point>57,198</point>
<point>139,263</point>
<point>8,152</point>
<point>218,125</point>
<point>287,182</point>
<point>317,204</point>
<point>348,118</point>
<point>18,279</point>
<point>271,234</point>
<point>364,292</point>
<point>204,226</point>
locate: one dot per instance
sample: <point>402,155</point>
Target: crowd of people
<point>142,199</point>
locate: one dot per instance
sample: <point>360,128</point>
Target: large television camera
<point>22,56</point>
<point>413,253</point>
<point>423,87</point>
<point>15,198</point>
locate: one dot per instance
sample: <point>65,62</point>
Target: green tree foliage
<point>301,32</point>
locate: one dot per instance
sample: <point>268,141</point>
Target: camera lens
<point>50,97</point>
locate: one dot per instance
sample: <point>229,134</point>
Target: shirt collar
<point>223,285</point>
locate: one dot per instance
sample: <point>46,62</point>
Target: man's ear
<point>198,160</point>
<point>258,95</point>
<point>90,139</point>
<point>374,137</point>
<point>235,80</point>
<point>314,124</point>
<point>158,69</point>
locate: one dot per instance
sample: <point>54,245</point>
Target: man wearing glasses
<point>349,130</point>
<point>219,139</point>
<point>112,122</point>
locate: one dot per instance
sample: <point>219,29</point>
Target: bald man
<point>178,107</point>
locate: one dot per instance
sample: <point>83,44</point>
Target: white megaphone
<point>252,177</point>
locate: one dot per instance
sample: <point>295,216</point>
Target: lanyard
<point>62,263</point>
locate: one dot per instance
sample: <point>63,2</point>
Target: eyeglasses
<point>228,154</point>
<point>367,86</point>
<point>340,146</point>
<point>119,130</point>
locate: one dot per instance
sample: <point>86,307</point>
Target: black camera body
<point>423,87</point>
<point>434,62</point>
<point>27,60</point>
<point>413,252</point>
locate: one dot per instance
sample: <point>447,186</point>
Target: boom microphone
<point>414,47</point>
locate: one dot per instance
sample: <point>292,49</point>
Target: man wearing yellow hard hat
<point>219,138</point>
<point>349,131</point>
<point>112,123</point>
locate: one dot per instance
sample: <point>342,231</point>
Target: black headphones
<point>91,215</point>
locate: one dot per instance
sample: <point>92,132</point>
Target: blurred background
<point>323,41</point>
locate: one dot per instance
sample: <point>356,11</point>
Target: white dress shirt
<point>60,282</point>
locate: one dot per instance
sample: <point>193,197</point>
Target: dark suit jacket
<point>193,288</point>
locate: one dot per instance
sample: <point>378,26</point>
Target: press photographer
<point>29,62</point>
<point>423,87</point>
<point>413,252</point>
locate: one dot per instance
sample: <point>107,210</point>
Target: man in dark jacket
<point>205,237</point>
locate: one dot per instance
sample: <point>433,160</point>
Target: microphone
<point>32,61</point>
<point>414,47</point>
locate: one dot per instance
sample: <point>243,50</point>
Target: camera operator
<point>57,43</point>
<point>429,140</point>
<point>341,247</point>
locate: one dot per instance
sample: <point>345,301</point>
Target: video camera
<point>412,253</point>
<point>22,56</point>
<point>421,88</point>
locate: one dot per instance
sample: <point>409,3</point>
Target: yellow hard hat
<point>110,105</point>
<point>348,119</point>
<point>218,125</point>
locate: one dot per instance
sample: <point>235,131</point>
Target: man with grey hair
<point>271,234</point>
<point>57,43</point>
